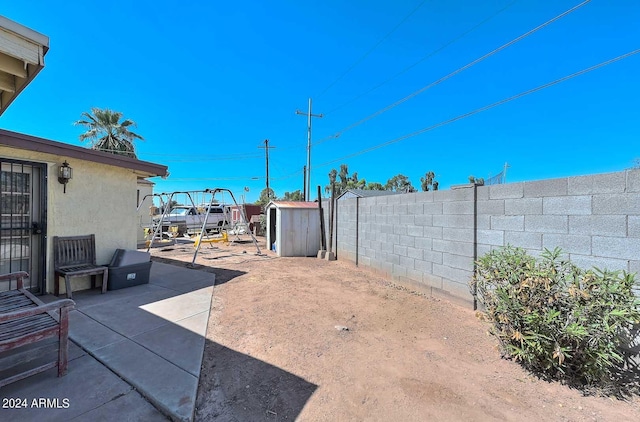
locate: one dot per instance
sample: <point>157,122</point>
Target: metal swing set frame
<point>166,199</point>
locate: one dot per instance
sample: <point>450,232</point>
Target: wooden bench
<point>75,256</point>
<point>25,324</point>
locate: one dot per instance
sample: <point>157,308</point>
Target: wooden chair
<point>75,256</point>
<point>25,324</point>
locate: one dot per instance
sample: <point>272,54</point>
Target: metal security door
<point>22,221</point>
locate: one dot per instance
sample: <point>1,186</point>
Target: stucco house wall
<point>100,199</point>
<point>144,205</point>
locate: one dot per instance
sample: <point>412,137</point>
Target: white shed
<point>293,228</point>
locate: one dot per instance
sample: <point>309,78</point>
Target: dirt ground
<point>311,340</point>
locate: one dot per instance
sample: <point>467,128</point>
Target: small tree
<point>265,197</point>
<point>293,196</point>
<point>400,183</point>
<point>348,182</point>
<point>374,186</point>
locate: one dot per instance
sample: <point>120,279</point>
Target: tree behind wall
<point>265,196</point>
<point>293,196</point>
<point>349,182</point>
<point>476,180</point>
<point>106,131</point>
<point>400,183</point>
<point>428,182</point>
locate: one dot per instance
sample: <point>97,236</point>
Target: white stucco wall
<point>144,211</point>
<point>100,199</point>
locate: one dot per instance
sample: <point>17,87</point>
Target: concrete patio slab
<point>181,306</point>
<point>96,297</point>
<point>176,344</point>
<point>75,351</point>
<point>87,386</point>
<point>197,323</point>
<point>138,356</point>
<point>125,316</point>
<point>154,338</point>
<point>170,388</point>
<point>137,409</point>
<point>89,333</point>
<point>185,285</point>
<point>158,269</point>
<point>172,277</point>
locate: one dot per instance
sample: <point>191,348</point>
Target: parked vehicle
<point>189,219</point>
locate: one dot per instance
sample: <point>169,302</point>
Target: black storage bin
<point>123,257</point>
<point>128,268</point>
<point>128,275</point>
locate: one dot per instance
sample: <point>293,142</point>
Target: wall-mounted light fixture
<point>65,173</point>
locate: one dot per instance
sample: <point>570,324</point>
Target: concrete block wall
<point>346,230</point>
<point>431,239</point>
<point>425,239</point>
<point>594,219</point>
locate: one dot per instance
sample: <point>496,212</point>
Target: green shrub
<point>555,318</point>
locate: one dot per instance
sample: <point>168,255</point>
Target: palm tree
<point>429,180</point>
<point>107,133</point>
<point>333,174</point>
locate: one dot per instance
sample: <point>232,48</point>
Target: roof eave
<point>22,141</point>
<point>33,67</point>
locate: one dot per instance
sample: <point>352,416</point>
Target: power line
<point>485,108</point>
<point>197,158</point>
<point>429,55</point>
<point>195,179</point>
<point>290,175</point>
<point>200,160</point>
<point>192,179</point>
<point>206,157</point>
<point>455,72</point>
<point>357,62</point>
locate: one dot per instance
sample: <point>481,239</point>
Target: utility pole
<point>504,172</point>
<point>307,190</point>
<point>266,151</point>
<point>304,183</point>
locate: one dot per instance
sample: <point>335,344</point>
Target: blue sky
<point>207,82</point>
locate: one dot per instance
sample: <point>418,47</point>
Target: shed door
<point>23,221</point>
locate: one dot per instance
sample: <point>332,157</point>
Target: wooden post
<point>324,237</point>
<point>357,226</point>
<point>331,213</point>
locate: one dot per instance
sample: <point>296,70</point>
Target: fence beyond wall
<point>432,239</point>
